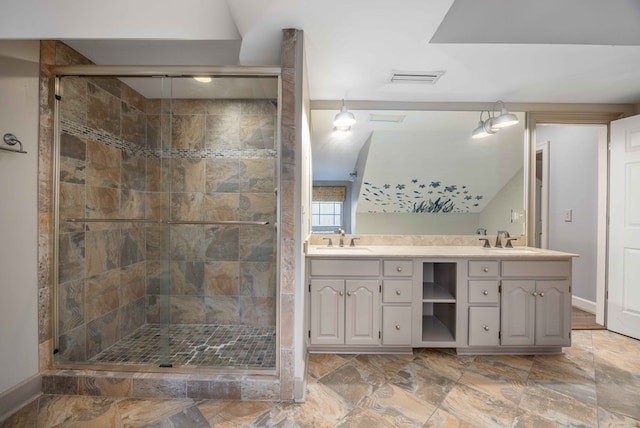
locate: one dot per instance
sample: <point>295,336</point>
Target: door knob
<point>341,293</point>
<point>485,292</point>
<point>399,268</point>
<point>349,293</point>
<point>485,327</point>
<point>485,269</point>
<point>398,292</point>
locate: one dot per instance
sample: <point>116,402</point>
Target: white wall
<point>19,68</point>
<point>573,185</point>
<point>497,214</point>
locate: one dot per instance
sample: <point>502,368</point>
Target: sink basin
<point>350,250</point>
<point>512,250</point>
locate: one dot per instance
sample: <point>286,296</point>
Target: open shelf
<point>439,303</point>
<point>434,292</point>
<point>434,330</point>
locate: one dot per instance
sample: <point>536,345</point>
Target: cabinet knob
<point>398,292</point>
<point>399,268</point>
<point>534,294</point>
<point>349,293</point>
<point>485,269</point>
<point>397,326</point>
<point>485,292</point>
<point>341,293</point>
<point>541,294</point>
<point>485,327</point>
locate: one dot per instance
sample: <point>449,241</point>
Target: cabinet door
<point>327,311</point>
<point>362,314</point>
<point>553,313</point>
<point>517,318</point>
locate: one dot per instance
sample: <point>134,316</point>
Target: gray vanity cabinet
<point>344,302</point>
<point>536,313</point>
<point>476,305</point>
<point>536,310</point>
<point>397,285</point>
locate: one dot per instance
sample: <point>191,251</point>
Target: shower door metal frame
<point>168,71</point>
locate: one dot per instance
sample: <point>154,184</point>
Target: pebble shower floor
<point>198,345</point>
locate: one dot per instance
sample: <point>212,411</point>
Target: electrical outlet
<point>568,214</point>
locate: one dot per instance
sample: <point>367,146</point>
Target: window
<point>326,216</point>
<point>329,208</point>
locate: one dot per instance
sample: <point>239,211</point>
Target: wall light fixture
<point>494,123</point>
<point>344,118</point>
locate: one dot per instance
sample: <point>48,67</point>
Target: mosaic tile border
<point>82,131</point>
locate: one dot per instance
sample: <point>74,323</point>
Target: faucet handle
<point>353,242</point>
<point>509,244</point>
<point>486,242</point>
<point>340,231</point>
<point>330,243</point>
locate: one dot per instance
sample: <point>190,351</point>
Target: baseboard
<point>16,397</point>
<point>299,384</point>
<point>584,304</point>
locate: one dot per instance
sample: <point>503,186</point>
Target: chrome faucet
<point>340,231</point>
<point>502,234</point>
<point>353,242</point>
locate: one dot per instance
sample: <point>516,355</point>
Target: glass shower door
<point>165,222</point>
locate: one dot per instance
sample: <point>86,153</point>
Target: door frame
<point>543,149</point>
<point>577,118</point>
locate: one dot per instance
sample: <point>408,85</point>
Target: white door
<point>624,228</point>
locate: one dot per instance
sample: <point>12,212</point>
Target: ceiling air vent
<point>428,77</point>
<point>394,118</point>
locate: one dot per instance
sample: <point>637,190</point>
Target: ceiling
<point>573,51</point>
<point>518,51</point>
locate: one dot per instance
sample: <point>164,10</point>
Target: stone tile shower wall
<point>123,156</point>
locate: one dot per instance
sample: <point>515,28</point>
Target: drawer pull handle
<point>399,268</point>
<point>485,269</point>
<point>541,294</point>
<point>397,326</point>
<point>485,327</point>
<point>398,292</point>
<point>485,292</point>
<point>349,293</point>
<point>341,293</point>
<point>534,294</point>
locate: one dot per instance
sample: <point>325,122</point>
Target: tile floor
<point>595,383</point>
<point>201,345</point>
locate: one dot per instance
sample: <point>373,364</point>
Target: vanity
<point>391,299</point>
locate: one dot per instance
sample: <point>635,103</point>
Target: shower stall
<point>166,207</point>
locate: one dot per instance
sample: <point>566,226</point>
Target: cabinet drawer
<point>398,268</point>
<point>483,292</point>
<point>484,326</point>
<point>536,268</point>
<point>329,267</point>
<point>488,268</point>
<point>396,290</point>
<point>396,325</point>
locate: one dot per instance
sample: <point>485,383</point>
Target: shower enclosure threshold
<point>200,345</point>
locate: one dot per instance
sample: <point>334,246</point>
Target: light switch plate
<point>568,214</point>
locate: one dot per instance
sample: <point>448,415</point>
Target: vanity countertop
<point>435,251</point>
